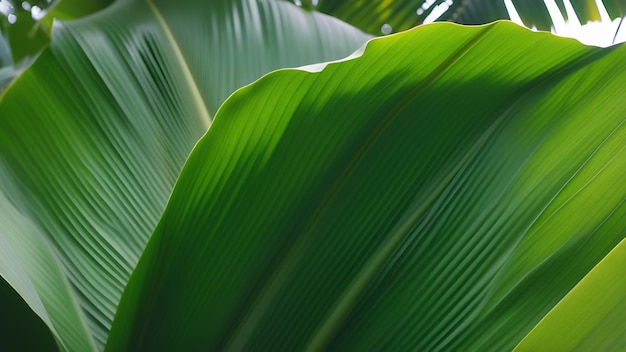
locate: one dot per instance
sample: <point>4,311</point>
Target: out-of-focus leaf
<point>94,133</point>
<point>591,316</point>
<point>400,15</point>
<point>7,70</point>
<point>441,192</point>
<point>74,9</point>
<point>253,37</point>
<point>615,8</point>
<point>7,74</point>
<point>532,13</point>
<point>26,37</point>
<point>5,53</point>
<point>30,32</point>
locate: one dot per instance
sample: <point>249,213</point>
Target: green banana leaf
<point>399,15</point>
<point>94,133</point>
<point>586,319</point>
<point>443,191</point>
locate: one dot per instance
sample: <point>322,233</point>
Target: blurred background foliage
<point>26,25</point>
<point>383,16</point>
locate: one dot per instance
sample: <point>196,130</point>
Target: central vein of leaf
<point>201,108</point>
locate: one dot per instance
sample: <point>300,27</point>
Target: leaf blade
<point>277,229</point>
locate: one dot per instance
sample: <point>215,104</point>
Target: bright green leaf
<point>444,190</point>
<point>591,316</point>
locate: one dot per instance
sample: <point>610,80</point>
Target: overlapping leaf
<point>30,266</point>
<point>591,316</point>
<point>443,191</point>
<point>93,135</point>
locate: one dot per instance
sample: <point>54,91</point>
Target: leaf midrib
<point>196,96</point>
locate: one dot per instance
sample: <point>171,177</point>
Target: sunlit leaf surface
<point>444,191</point>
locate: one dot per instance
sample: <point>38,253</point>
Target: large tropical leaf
<point>442,191</point>
<point>94,133</point>
<point>398,15</point>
